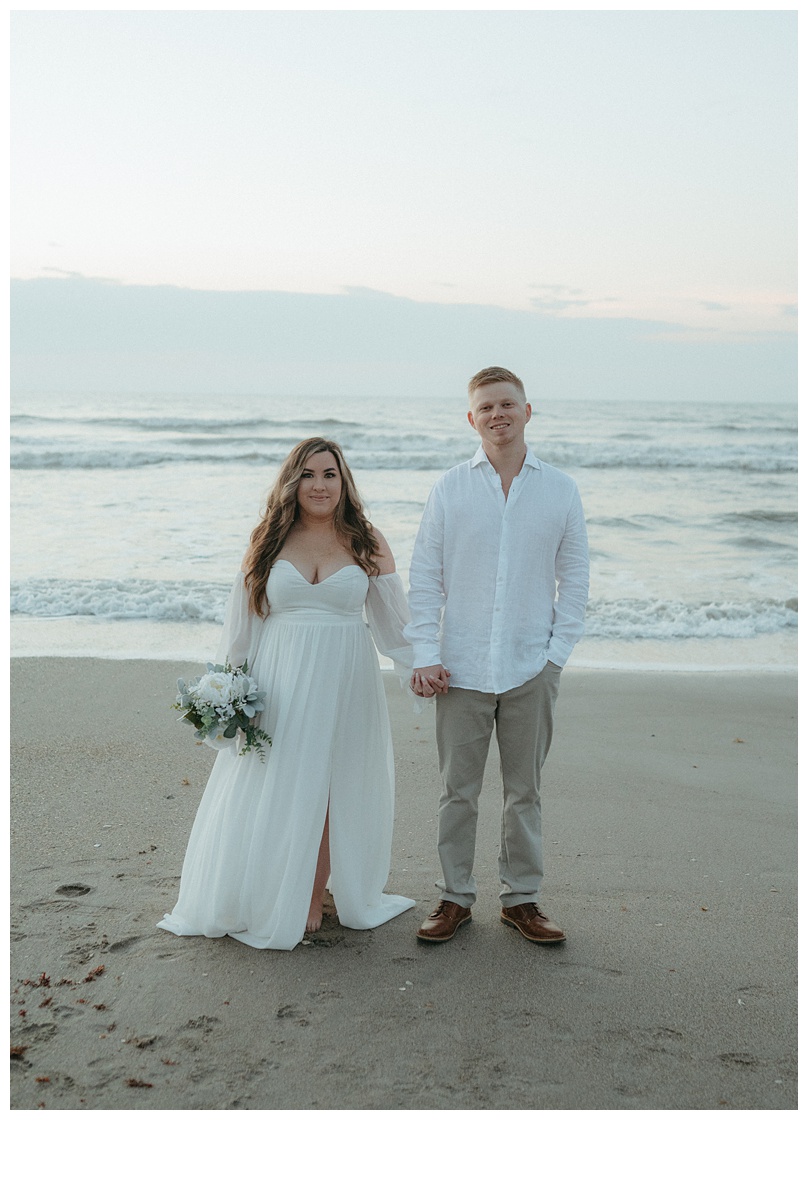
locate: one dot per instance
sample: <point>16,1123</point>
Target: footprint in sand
<point>290,1011</point>
<point>739,1060</point>
<point>203,1023</point>
<point>123,944</point>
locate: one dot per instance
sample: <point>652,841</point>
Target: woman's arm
<point>384,559</point>
<point>240,626</point>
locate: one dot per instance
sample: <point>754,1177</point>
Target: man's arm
<point>426,600</point>
<point>572,582</point>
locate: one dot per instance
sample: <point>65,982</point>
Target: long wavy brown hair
<point>280,512</point>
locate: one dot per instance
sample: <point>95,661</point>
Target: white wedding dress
<point>250,863</point>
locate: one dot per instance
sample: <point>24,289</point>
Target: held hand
<point>430,681</point>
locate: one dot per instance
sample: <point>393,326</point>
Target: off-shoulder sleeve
<point>241,627</point>
<point>387,614</point>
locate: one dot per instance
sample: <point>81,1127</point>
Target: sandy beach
<point>670,835</point>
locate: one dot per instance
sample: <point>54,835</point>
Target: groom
<point>502,556</point>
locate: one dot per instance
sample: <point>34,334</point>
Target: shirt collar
<point>482,457</point>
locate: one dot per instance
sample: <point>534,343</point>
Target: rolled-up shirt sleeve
<point>572,585</point>
<point>427,595</point>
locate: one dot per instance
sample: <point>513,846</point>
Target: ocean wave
<point>192,600</point>
<point>619,522</point>
<point>765,516</point>
<point>121,599</point>
<point>770,459</point>
<point>750,427</point>
<point>112,459</point>
<point>193,424</point>
<point>627,620</point>
<point>385,452</point>
<point>757,542</point>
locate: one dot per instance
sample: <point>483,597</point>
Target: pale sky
<point>575,164</point>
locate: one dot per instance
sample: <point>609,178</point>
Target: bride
<point>269,835</point>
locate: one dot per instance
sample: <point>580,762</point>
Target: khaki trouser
<point>524,724</point>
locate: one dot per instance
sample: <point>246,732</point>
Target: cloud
<point>557,305</point>
<point>555,300</point>
<point>714,306</point>
<point>79,334</point>
<point>78,275</point>
<point>557,288</point>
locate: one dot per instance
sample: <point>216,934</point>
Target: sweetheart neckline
<point>319,581</point>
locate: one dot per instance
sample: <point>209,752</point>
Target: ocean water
<point>130,515</point>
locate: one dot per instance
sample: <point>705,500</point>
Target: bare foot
<point>315,918</point>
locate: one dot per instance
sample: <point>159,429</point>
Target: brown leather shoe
<point>532,923</point>
<point>444,922</point>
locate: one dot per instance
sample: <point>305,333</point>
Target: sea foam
<point>190,600</point>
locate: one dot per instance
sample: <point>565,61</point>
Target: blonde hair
<point>495,375</point>
<point>351,525</point>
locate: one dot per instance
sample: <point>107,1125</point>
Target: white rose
<point>215,688</point>
<point>240,687</point>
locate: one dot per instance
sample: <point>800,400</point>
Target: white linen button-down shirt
<point>498,587</point>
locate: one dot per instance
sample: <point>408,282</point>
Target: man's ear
<point>470,416</point>
<point>529,411</point>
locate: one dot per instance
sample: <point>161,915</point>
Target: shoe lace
<point>533,910</point>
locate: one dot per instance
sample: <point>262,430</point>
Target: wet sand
<point>670,860</point>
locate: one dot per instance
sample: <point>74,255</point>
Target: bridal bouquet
<point>222,702</point>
